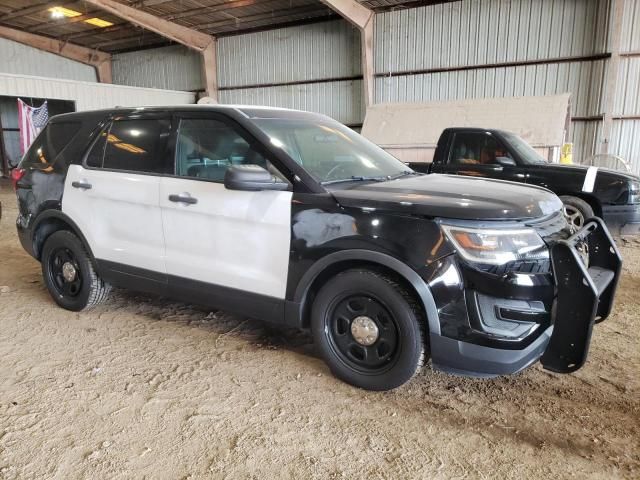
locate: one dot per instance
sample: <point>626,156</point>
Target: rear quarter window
<point>47,146</point>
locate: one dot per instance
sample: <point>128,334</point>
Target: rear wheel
<point>69,274</point>
<point>576,210</point>
<point>369,330</point>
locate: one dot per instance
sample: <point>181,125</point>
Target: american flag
<point>32,120</point>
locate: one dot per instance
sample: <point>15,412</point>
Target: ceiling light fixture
<point>98,22</point>
<point>60,12</point>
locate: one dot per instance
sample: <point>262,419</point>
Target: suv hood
<point>450,196</point>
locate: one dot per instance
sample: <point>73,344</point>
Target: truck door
<point>480,154</point>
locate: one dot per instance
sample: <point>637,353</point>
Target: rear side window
<point>132,145</point>
<point>51,141</point>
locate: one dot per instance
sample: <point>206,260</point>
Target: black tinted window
<point>206,148</point>
<point>53,139</point>
<point>136,145</point>
<point>477,148</point>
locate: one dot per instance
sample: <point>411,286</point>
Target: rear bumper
<point>622,219</point>
<point>552,324</point>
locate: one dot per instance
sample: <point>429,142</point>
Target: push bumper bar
<point>584,294</point>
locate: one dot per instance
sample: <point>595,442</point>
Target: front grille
<point>519,266</point>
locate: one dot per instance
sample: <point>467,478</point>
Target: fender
<point>58,215</point>
<point>401,269</point>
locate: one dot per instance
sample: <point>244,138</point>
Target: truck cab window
<point>477,148</point>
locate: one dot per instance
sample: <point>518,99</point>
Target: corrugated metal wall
<point>486,48</point>
<point>625,140</point>
<point>321,59</point>
<point>23,60</point>
<point>173,68</point>
<point>313,67</point>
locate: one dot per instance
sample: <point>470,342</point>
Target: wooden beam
<point>611,79</point>
<point>354,12</point>
<point>201,42</point>
<point>184,35</point>
<point>101,61</point>
<point>209,70</point>
<point>364,19</point>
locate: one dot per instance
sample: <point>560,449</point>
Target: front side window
<point>206,148</point>
<point>477,148</point>
<point>329,151</point>
<point>132,145</point>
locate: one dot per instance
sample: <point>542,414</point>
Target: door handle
<point>183,198</point>
<point>83,185</point>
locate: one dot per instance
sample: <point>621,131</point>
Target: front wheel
<point>69,274</point>
<point>369,330</point>
<point>576,210</point>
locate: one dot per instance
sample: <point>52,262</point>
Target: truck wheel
<point>69,274</point>
<point>576,210</point>
<point>369,330</point>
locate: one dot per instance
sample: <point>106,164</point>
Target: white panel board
<point>538,120</point>
<point>87,95</point>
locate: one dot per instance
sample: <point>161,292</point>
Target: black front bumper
<point>584,295</point>
<point>574,298</point>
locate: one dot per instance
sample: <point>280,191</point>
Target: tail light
<point>16,175</point>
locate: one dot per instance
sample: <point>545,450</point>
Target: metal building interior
<point>338,58</point>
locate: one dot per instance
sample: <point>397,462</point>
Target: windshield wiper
<point>356,178</point>
<point>403,174</point>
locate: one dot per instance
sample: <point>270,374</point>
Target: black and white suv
<point>293,218</point>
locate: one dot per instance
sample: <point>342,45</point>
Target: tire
<point>576,210</point>
<point>343,337</point>
<point>86,289</point>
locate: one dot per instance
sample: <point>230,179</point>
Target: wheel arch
<point>329,266</point>
<point>49,222</point>
<point>592,200</point>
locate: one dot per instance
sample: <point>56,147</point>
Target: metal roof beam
<point>363,18</point>
<point>101,61</point>
<point>186,36</point>
<point>203,43</point>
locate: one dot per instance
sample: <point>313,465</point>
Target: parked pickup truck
<point>585,191</point>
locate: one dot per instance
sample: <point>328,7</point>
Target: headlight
<point>634,192</point>
<point>496,247</point>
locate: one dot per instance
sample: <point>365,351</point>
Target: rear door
<point>114,195</point>
<point>236,240</point>
<point>475,154</point>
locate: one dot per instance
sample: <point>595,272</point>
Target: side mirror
<point>251,178</point>
<point>505,161</point>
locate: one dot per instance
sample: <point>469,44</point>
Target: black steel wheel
<point>362,333</point>
<point>69,274</point>
<point>369,329</point>
<point>64,272</point>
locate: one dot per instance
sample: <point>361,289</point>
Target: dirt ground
<point>143,387</point>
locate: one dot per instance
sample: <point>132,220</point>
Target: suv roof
<point>249,111</point>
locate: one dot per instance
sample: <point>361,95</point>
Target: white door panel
<point>119,216</point>
<point>230,238</point>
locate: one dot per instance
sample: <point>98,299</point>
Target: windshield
<point>331,152</point>
<point>526,152</point>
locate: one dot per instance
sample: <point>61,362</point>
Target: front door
<point>113,196</point>
<point>480,154</point>
<point>236,240</point>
